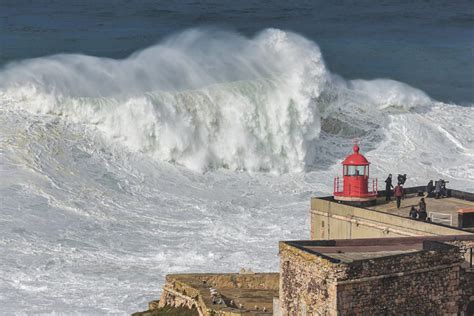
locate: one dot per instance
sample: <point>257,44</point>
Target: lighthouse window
<point>355,171</point>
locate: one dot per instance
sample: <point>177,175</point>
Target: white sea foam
<point>207,99</point>
<point>93,214</point>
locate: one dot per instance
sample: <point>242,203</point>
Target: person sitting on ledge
<point>422,205</point>
<point>422,214</point>
<point>413,212</point>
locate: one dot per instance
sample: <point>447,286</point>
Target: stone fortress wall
<point>429,281</point>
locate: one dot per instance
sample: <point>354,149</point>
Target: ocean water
<point>140,139</point>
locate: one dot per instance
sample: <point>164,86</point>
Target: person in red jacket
<point>398,193</point>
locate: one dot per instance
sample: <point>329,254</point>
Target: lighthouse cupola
<point>355,183</point>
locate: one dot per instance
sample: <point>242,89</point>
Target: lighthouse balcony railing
<point>339,187</point>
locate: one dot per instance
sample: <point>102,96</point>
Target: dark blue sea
<point>427,44</point>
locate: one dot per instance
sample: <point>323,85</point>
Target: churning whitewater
<point>196,154</point>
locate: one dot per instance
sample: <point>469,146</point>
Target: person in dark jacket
<point>388,187</point>
<point>422,214</point>
<point>413,212</point>
<point>444,191</point>
<point>398,192</point>
<point>430,189</point>
<point>440,189</point>
<point>422,205</point>
<point>402,178</point>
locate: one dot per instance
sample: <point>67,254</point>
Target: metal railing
<point>441,218</point>
<point>336,185</point>
<point>375,185</point>
<point>374,182</point>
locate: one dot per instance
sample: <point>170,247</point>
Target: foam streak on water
<point>197,154</point>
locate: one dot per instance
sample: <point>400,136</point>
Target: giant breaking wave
<point>208,99</point>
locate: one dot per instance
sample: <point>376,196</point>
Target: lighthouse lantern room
<point>355,184</point>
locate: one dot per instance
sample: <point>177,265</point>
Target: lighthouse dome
<point>356,159</point>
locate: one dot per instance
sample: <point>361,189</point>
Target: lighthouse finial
<point>356,148</point>
<point>356,145</point>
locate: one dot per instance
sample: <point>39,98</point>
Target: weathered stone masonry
<point>306,281</point>
<point>429,281</point>
<point>426,282</point>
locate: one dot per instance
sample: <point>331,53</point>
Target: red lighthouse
<point>355,186</point>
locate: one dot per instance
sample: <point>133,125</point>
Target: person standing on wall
<point>388,187</point>
<point>430,189</point>
<point>398,192</point>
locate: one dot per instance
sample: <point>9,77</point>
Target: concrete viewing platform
<point>443,210</point>
<point>451,215</point>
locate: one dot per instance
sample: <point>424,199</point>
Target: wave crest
<point>209,99</point>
